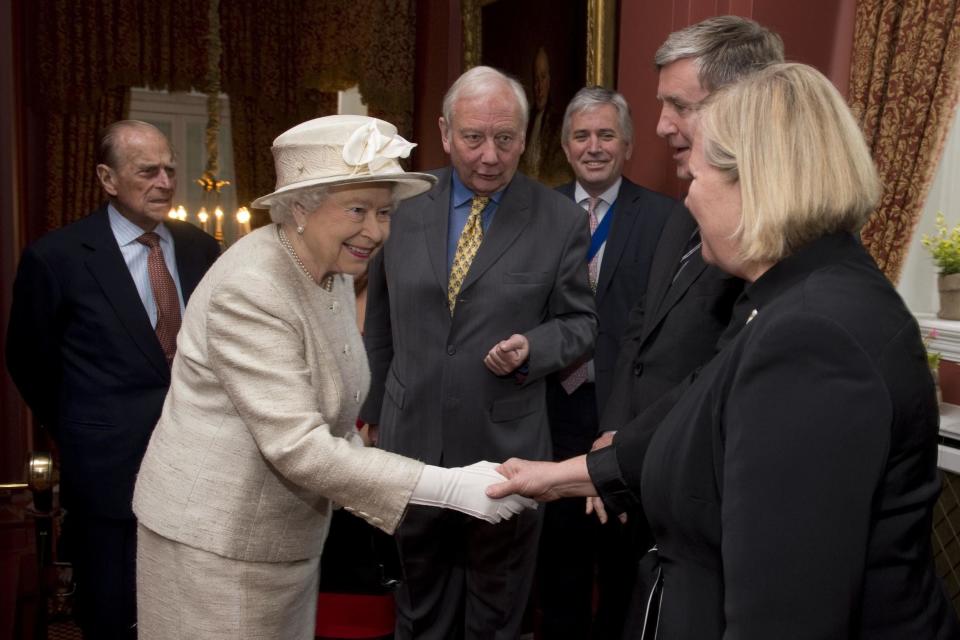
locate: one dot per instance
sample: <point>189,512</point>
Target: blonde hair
<point>804,169</point>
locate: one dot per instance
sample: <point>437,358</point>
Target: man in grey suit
<point>480,293</point>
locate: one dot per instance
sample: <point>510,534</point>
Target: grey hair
<point>281,209</point>
<point>726,49</point>
<point>594,96</point>
<point>482,80</point>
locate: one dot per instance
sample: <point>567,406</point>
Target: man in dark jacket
<point>96,309</point>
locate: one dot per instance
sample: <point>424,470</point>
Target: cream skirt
<point>183,592</point>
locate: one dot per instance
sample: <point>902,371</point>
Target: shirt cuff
<point>520,373</point>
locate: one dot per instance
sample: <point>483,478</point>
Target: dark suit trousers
<point>103,552</point>
<point>463,578</point>
<point>574,545</point>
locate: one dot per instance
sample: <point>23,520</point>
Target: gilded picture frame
<point>553,49</point>
<point>600,37</point>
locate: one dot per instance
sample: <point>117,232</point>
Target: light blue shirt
<point>460,198</point>
<point>135,255</point>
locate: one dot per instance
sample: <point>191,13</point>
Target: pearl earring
<point>300,229</point>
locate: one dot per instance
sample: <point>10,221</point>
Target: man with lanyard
<point>625,222</point>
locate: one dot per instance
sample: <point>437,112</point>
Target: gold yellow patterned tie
<point>467,246</point>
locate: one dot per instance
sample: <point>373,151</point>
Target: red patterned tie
<point>594,223</point>
<point>165,294</point>
<point>572,377</point>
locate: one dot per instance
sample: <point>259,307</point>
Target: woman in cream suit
<point>256,441</point>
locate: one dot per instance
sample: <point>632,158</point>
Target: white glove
<point>353,438</point>
<point>462,489</point>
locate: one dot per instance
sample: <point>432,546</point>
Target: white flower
<point>367,145</point>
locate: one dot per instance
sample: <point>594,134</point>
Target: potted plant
<point>945,249</point>
<point>933,361</point>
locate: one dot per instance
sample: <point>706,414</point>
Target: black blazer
<point>81,350</point>
<point>673,331</point>
<point>639,217</point>
<point>791,488</point>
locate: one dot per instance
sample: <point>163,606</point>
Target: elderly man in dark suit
<point>626,221</point>
<point>96,310</point>
<point>480,293</point>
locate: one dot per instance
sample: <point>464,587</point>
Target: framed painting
<point>554,49</point>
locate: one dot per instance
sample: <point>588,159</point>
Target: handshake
<point>464,489</point>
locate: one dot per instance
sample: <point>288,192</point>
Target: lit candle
<point>203,217</point>
<point>181,213</point>
<point>218,232</point>
<point>243,219</point>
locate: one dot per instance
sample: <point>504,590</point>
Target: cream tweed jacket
<point>249,453</point>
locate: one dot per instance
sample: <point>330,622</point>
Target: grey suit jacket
<point>430,391</point>
<point>250,451</point>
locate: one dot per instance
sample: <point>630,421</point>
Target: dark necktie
<point>693,246</point>
<point>165,294</point>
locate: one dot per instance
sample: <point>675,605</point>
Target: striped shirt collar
<point>127,232</point>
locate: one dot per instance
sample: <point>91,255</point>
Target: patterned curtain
<point>272,66</point>
<point>284,61</point>
<point>73,190</point>
<point>903,90</point>
<point>387,63</point>
<point>85,56</point>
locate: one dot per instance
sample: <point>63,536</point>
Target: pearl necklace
<point>326,283</point>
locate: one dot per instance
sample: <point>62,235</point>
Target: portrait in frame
<point>553,49</point>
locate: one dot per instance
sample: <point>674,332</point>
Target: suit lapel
<point>190,262</point>
<point>106,265</point>
<point>625,215</point>
<point>665,292</point>
<point>435,222</point>
<point>513,215</point>
<point>568,190</point>
<point>695,266</point>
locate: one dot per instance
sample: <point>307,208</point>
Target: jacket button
<point>638,369</point>
<point>451,350</point>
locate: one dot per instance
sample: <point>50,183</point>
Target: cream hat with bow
<point>339,150</point>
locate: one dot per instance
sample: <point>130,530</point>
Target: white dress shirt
<point>607,198</point>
